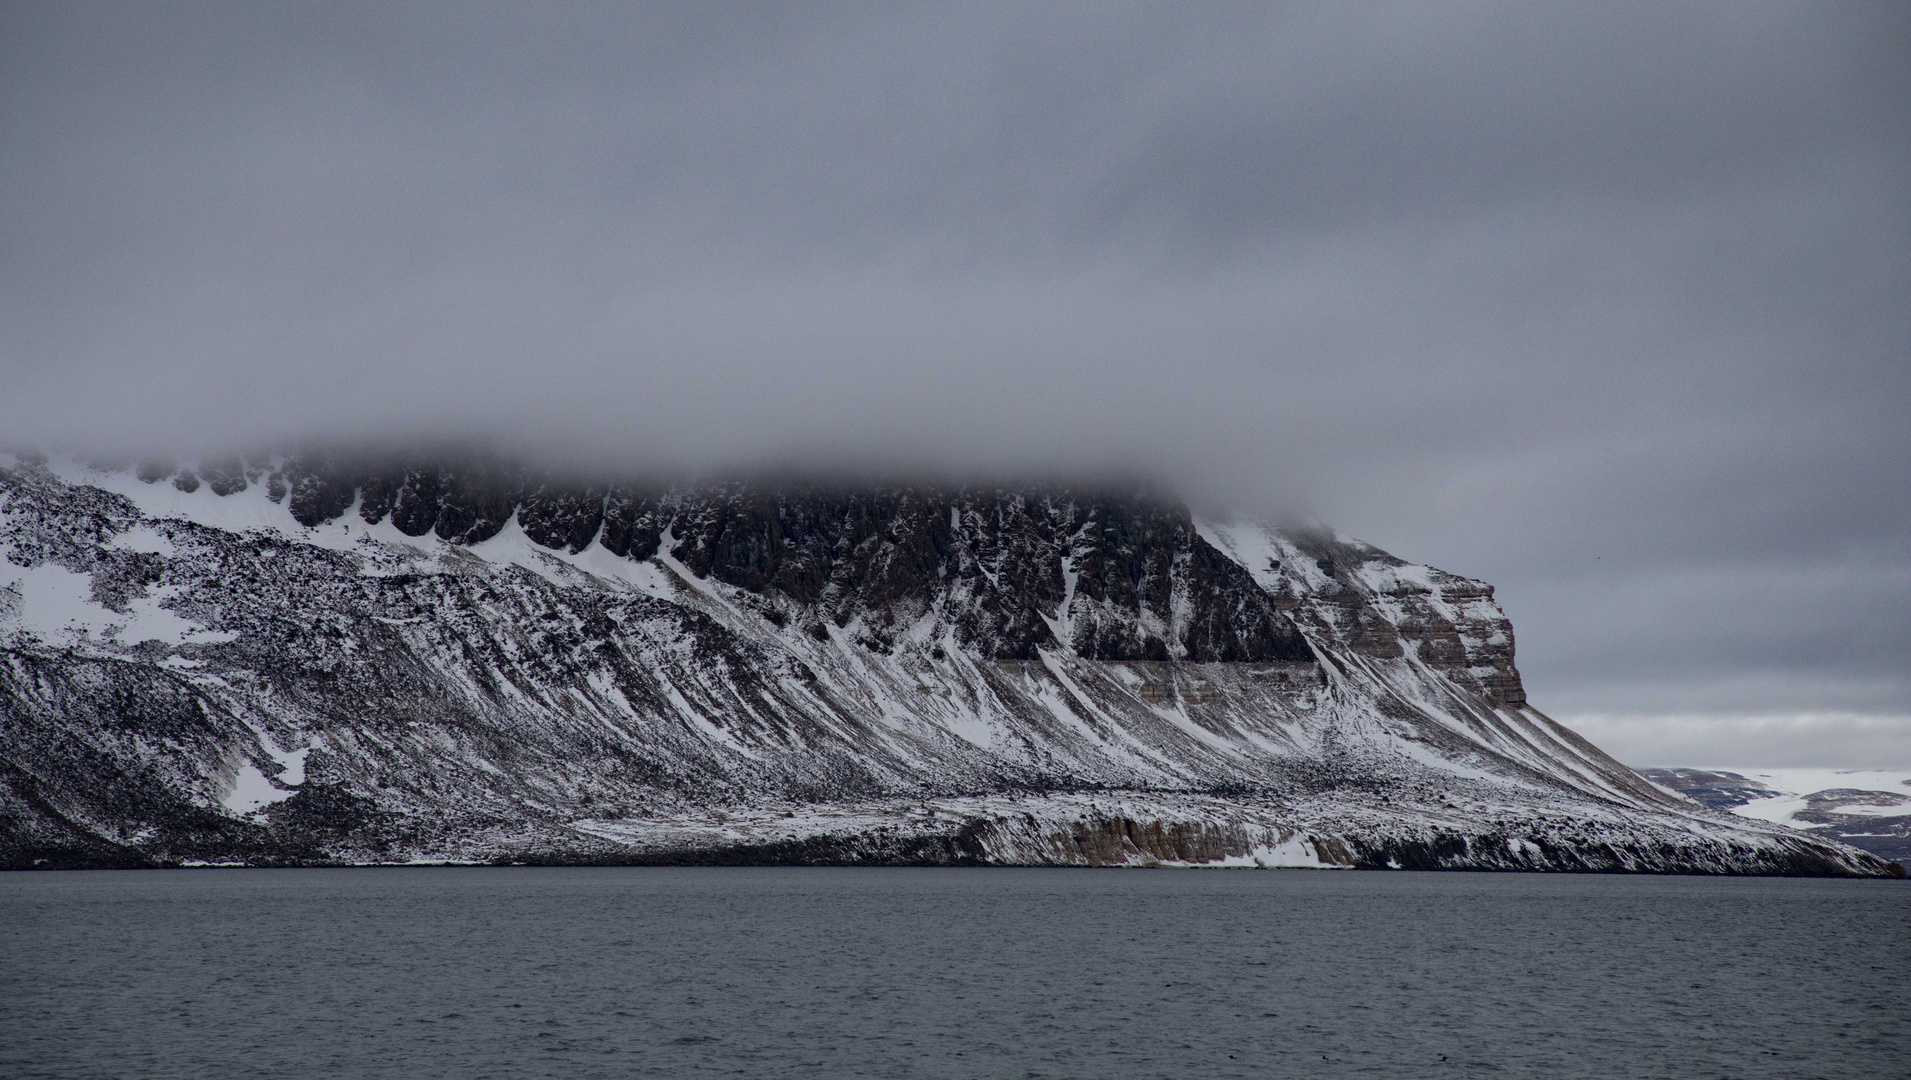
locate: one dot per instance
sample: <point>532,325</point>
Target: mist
<point>1605,305</point>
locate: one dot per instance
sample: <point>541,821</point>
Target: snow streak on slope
<point>298,662</point>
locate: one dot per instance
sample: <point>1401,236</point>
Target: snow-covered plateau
<point>323,659</point>
<point>1866,808</point>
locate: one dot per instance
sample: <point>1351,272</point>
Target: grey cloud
<point>1604,304</point>
<point>1795,740</point>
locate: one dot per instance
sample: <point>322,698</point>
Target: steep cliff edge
<point>315,660</point>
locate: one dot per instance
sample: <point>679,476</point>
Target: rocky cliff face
<point>318,660</point>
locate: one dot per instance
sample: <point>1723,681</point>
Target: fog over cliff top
<point>1605,306</point>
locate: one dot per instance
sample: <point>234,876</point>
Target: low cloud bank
<point>1787,740</point>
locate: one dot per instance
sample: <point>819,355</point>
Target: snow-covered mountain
<point>325,659</point>
<point>1866,808</point>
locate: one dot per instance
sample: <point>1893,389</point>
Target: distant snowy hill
<point>1869,809</point>
<point>320,658</point>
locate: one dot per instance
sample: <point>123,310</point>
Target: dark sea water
<point>948,973</point>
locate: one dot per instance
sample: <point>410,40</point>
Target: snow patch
<point>251,791</point>
<point>143,538</point>
<point>54,603</point>
<point>1294,853</point>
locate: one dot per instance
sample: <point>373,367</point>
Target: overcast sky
<point>1606,304</point>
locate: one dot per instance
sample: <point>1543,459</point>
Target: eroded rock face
<point>1385,608</point>
<point>327,658</point>
<point>993,563</point>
